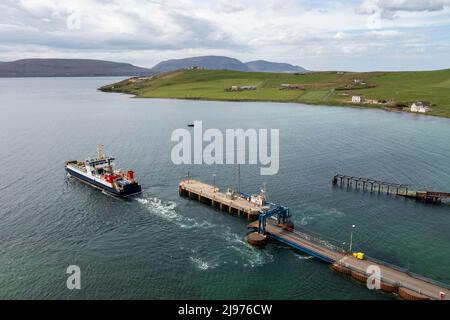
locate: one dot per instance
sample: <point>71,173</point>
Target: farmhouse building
<point>359,81</point>
<point>286,86</point>
<point>420,107</point>
<point>358,99</point>
<point>241,88</point>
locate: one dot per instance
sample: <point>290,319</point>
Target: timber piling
<point>400,190</point>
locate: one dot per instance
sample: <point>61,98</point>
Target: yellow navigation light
<point>99,151</point>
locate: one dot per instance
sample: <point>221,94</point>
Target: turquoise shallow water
<point>160,246</point>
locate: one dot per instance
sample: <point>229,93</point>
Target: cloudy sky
<point>319,35</point>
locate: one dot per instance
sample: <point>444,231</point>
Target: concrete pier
<point>392,279</point>
<point>273,222</point>
<point>229,201</point>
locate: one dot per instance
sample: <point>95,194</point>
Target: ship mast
<point>99,151</point>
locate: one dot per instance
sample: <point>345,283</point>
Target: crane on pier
<point>281,213</point>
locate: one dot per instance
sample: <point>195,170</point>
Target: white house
<point>359,81</point>
<point>248,87</point>
<point>241,88</point>
<point>358,99</point>
<point>420,107</point>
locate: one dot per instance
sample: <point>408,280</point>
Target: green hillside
<point>391,90</point>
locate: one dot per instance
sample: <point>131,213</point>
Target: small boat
<point>191,125</point>
<point>100,173</point>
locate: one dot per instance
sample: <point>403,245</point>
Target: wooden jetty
<point>392,279</point>
<point>401,190</point>
<point>272,221</point>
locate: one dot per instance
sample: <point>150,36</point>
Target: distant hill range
<point>206,62</point>
<point>101,68</point>
<point>225,63</point>
<point>68,68</point>
<point>266,66</point>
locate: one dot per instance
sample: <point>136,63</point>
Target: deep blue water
<point>160,246</point>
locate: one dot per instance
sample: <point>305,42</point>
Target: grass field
<point>327,88</point>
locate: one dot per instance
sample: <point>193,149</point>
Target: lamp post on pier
<point>351,237</point>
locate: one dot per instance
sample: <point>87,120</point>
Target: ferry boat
<point>101,174</point>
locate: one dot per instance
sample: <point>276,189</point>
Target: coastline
<point>389,91</point>
<point>325,104</point>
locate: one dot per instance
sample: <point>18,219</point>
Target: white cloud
<point>339,35</point>
<point>389,8</point>
<point>228,6</point>
<point>147,31</point>
<point>386,33</point>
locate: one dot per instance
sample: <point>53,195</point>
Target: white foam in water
<point>236,251</point>
<point>253,257</point>
<point>166,210</point>
<point>202,265</point>
<point>304,221</point>
<point>304,257</point>
<point>248,256</point>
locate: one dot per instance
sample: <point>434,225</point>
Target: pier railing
<point>317,240</point>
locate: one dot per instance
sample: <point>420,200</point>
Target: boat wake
<point>203,265</point>
<point>251,256</point>
<point>167,211</point>
<point>233,251</point>
<point>233,248</point>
